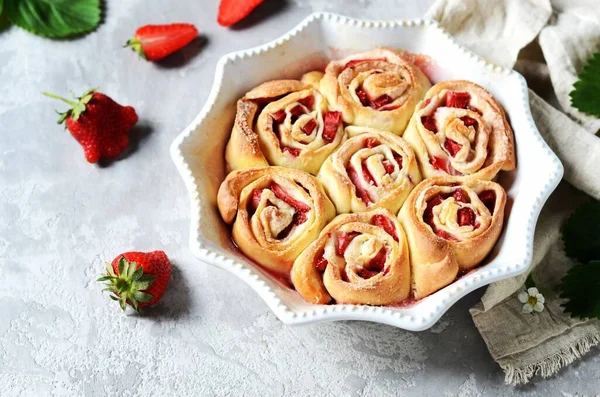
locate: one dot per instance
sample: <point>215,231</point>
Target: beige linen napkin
<point>525,345</point>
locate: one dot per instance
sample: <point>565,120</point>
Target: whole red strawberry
<point>99,124</point>
<point>137,278</point>
<point>154,42</point>
<point>233,11</point>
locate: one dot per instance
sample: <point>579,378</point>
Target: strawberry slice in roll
<point>276,212</point>
<point>285,123</point>
<point>460,129</point>
<point>452,224</point>
<point>357,258</point>
<point>375,89</point>
<point>372,169</point>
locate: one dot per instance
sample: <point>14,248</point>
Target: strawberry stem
<point>50,95</point>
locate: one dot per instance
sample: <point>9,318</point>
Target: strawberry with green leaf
<point>154,42</point>
<point>137,279</point>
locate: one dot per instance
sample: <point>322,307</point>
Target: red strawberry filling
<point>398,159</point>
<point>278,116</point>
<point>357,61</point>
<point>332,121</point>
<point>461,196</point>
<point>296,112</point>
<point>468,121</point>
<point>443,165</point>
<point>291,150</point>
<point>321,263</point>
<point>343,241</point>
<point>375,265</point>
<point>381,101</point>
<point>363,97</point>
<point>429,123</point>
<point>465,216</point>
<point>389,167</point>
<point>488,197</point>
<point>455,99</point>
<point>445,235</point>
<point>309,101</point>
<point>360,191</point>
<point>386,224</point>
<point>284,196</point>
<point>255,200</point>
<point>371,143</point>
<point>309,127</point>
<point>452,146</point>
<point>474,109</point>
<point>428,214</point>
<point>367,175</point>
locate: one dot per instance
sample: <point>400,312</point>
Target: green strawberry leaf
<point>581,286</point>
<point>54,18</point>
<point>1,6</point>
<point>581,233</point>
<point>586,93</point>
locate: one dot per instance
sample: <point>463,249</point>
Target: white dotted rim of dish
<point>398,317</point>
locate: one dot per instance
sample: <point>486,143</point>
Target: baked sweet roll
<point>358,258</point>
<point>375,89</point>
<point>451,224</point>
<point>276,212</point>
<point>285,123</point>
<point>460,129</point>
<point>372,169</point>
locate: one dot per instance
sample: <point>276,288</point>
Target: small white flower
<point>532,300</point>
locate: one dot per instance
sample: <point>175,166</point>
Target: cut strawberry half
<point>386,224</point>
<point>154,42</point>
<point>332,121</point>
<point>233,11</point>
<point>455,99</point>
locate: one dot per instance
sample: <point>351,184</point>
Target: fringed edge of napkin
<point>550,365</point>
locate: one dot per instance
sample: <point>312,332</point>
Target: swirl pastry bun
<point>375,89</point>
<point>284,123</point>
<point>372,169</point>
<point>276,213</point>
<point>460,129</point>
<point>358,258</point>
<point>451,224</point>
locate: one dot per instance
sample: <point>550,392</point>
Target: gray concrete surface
<point>61,219</point>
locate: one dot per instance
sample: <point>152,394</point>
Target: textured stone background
<point>61,219</point>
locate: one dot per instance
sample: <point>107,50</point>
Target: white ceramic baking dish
<point>198,154</point>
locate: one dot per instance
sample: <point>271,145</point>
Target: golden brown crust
<point>441,248</point>
<point>365,154</point>
<point>384,73</point>
<point>290,211</point>
<point>479,134</point>
<point>283,123</point>
<point>350,277</point>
